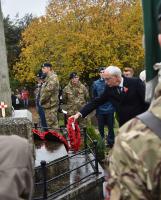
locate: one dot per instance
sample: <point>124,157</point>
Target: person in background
<point>16,102</point>
<point>18,93</point>
<point>105,112</point>
<point>25,97</point>
<point>75,95</point>
<point>39,108</point>
<point>49,96</point>
<point>16,168</point>
<point>128,72</point>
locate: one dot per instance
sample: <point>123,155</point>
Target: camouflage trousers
<point>51,118</point>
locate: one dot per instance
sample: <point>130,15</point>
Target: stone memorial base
<point>17,126</point>
<point>22,114</point>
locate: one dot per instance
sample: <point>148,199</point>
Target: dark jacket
<point>98,89</point>
<point>16,102</point>
<point>129,103</point>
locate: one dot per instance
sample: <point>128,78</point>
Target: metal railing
<point>90,152</point>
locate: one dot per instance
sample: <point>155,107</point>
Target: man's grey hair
<point>113,70</point>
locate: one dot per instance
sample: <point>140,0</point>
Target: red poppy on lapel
<point>126,89</point>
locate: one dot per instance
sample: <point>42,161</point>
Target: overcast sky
<point>12,7</point>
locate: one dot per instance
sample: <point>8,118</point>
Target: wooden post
<point>5,91</point>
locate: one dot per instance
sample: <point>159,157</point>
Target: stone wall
<point>16,126</point>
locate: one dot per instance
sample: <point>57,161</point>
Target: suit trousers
<point>106,120</point>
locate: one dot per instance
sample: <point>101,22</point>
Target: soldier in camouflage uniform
<point>49,96</point>
<point>75,95</point>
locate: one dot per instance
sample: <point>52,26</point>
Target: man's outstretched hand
<point>76,116</point>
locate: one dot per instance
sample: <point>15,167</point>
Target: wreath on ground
<point>50,135</point>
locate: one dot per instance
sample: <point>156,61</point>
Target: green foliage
<point>14,84</point>
<point>12,36</point>
<point>100,143</point>
<point>13,30</point>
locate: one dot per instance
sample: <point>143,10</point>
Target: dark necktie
<point>119,89</point>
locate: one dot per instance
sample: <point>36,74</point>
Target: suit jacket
<point>129,103</point>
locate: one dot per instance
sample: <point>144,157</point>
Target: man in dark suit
<point>126,94</point>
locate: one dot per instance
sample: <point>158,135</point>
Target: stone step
<point>90,188</point>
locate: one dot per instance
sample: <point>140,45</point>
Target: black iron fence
<point>90,152</point>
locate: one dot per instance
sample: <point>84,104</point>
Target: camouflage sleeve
<point>48,89</point>
<point>126,171</point>
<point>86,93</point>
<point>130,177</point>
<point>65,96</point>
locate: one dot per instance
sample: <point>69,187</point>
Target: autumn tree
<point>80,35</point>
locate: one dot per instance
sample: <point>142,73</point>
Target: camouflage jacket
<point>135,163</point>
<point>74,97</point>
<point>49,91</point>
